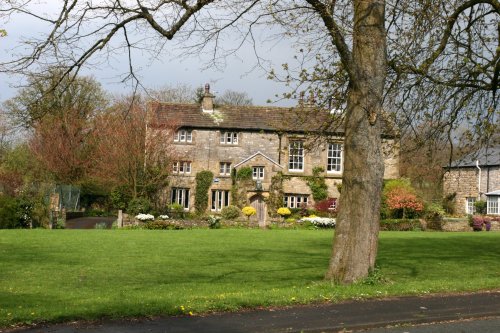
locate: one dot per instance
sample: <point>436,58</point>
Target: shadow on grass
<point>432,254</point>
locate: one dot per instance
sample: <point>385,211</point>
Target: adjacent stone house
<point>269,140</point>
<point>474,177</point>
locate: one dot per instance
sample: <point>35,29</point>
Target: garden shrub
<point>203,181</point>
<point>400,225</point>
<point>18,212</point>
<point>400,200</point>
<point>59,224</point>
<point>434,212</point>
<point>145,217</point>
<point>230,212</point>
<point>213,221</point>
<point>120,196</point>
<point>479,222</point>
<point>176,210</point>
<point>449,203</point>
<point>317,184</point>
<point>319,222</point>
<point>480,207</point>
<point>9,213</point>
<point>283,211</point>
<point>139,205</point>
<point>248,211</point>
<point>323,206</point>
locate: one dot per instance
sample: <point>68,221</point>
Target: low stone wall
<point>449,224</point>
<point>463,225</point>
<point>130,220</point>
<point>456,225</point>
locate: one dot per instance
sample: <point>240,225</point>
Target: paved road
<point>356,316</point>
<point>485,325</point>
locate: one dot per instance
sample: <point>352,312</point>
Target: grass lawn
<point>57,275</point>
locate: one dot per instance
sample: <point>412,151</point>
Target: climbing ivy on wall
<point>241,180</point>
<point>317,184</point>
<point>244,174</point>
<point>276,193</point>
<point>203,182</point>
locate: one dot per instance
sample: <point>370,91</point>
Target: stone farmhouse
<point>475,177</point>
<point>269,140</point>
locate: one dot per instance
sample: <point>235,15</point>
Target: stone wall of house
<point>490,179</point>
<point>464,182</point>
<point>205,152</point>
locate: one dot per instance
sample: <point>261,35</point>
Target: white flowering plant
<point>163,217</point>
<point>145,217</point>
<point>320,222</point>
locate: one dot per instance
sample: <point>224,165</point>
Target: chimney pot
<point>207,103</point>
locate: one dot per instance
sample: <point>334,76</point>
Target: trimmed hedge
<point>400,225</point>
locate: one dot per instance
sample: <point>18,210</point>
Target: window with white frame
<point>295,200</point>
<point>469,205</point>
<point>183,136</point>
<point>180,196</point>
<point>229,138</point>
<point>225,168</point>
<point>492,205</point>
<point>220,199</point>
<point>181,167</point>
<point>296,156</point>
<point>257,172</point>
<point>334,158</point>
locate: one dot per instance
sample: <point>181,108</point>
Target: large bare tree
<point>369,57</point>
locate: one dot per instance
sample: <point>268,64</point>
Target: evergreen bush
<point>230,212</point>
<point>203,182</point>
<point>139,205</point>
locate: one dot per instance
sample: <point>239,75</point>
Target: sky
<point>239,73</point>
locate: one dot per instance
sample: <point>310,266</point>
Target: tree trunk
<point>356,236</point>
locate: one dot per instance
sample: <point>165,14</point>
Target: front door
<point>257,202</point>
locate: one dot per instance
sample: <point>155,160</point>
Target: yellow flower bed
<point>248,211</point>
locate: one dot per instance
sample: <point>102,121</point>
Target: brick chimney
<point>207,104</point>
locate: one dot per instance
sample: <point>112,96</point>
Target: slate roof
<point>486,156</point>
<point>494,193</point>
<point>257,118</point>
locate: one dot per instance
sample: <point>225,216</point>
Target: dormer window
<point>229,138</point>
<point>183,136</point>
